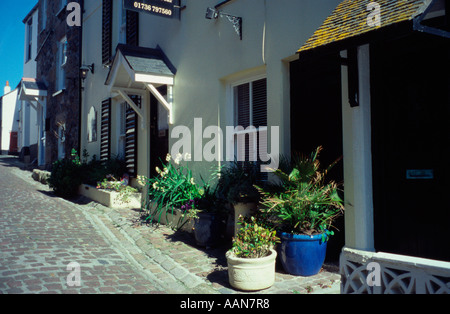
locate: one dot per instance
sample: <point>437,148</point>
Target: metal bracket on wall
<point>418,26</point>
<point>214,13</point>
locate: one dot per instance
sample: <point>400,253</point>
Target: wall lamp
<point>84,70</point>
<point>212,13</point>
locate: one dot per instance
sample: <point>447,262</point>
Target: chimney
<point>7,88</point>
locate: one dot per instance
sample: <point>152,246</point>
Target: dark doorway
<point>316,119</point>
<point>159,133</point>
<point>411,129</point>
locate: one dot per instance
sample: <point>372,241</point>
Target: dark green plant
<point>96,170</point>
<point>253,240</point>
<point>207,202</point>
<point>307,204</point>
<point>237,180</point>
<point>66,176</point>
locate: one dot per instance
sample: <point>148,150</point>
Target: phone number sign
<point>165,8</point>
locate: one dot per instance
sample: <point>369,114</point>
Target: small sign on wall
<point>165,8</point>
<point>420,174</point>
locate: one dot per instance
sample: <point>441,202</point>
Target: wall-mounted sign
<point>420,174</point>
<point>165,8</point>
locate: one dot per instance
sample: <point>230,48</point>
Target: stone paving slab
<point>40,234</point>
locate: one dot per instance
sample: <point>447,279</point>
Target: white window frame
<point>250,129</point>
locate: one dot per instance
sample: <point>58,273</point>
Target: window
<point>60,70</point>
<point>62,8</point>
<point>44,15</point>
<point>92,125</point>
<point>122,118</point>
<point>61,141</point>
<point>63,4</point>
<point>29,38</point>
<point>122,26</point>
<point>250,120</point>
<point>250,115</point>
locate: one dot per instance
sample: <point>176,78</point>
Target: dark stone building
<point>58,66</point>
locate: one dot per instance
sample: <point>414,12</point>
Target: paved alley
<point>40,236</point>
<point>51,245</point>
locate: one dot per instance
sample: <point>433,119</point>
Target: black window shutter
<point>132,28</point>
<point>105,132</point>
<point>107,31</point>
<point>131,138</point>
<point>259,97</point>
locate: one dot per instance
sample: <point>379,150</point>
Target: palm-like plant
<point>306,203</point>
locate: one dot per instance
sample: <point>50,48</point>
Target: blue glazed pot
<point>302,255</point>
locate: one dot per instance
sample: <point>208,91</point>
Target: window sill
<point>59,92</point>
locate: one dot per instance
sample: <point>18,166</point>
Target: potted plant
<point>172,187</point>
<point>124,191</point>
<point>251,260</point>
<point>304,209</point>
<point>237,184</point>
<point>66,176</point>
<point>209,215</point>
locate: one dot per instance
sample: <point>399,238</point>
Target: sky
<point>12,36</point>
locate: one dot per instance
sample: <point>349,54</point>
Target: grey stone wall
<point>63,108</point>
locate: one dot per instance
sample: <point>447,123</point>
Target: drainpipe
<point>80,94</point>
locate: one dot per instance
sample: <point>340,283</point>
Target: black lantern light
<point>84,70</point>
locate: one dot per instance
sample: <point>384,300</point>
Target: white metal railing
<point>365,272</point>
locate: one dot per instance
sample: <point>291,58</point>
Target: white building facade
<point>28,134</point>
<point>9,121</point>
<point>188,69</point>
<point>153,80</point>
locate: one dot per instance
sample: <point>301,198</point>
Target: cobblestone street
<point>40,235</point>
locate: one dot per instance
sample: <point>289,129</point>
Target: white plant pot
<point>251,274</point>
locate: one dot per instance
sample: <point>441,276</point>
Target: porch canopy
<point>32,91</point>
<point>353,22</point>
<point>135,69</point>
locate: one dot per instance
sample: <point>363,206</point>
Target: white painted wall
<point>29,67</point>
<point>209,56</point>
<point>28,130</point>
<point>359,228</point>
<point>10,115</point>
